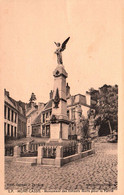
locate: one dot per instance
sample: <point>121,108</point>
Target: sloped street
<point>95,172</point>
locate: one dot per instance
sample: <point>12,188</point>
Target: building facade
<point>33,114</point>
<point>40,124</point>
<point>14,118</point>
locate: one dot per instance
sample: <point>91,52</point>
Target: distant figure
<point>59,50</point>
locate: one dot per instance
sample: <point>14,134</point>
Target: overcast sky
<point>28,30</point>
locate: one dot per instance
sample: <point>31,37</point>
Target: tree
<point>107,108</point>
<point>85,128</point>
<point>79,126</point>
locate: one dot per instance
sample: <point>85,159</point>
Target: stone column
<point>40,155</point>
<point>59,105</point>
<point>27,146</point>
<point>59,156</point>
<point>92,145</point>
<point>13,116</point>
<point>17,151</point>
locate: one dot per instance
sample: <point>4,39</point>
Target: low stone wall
<point>74,153</point>
<point>27,160</point>
<point>46,161</point>
<point>77,156</point>
<point>60,160</point>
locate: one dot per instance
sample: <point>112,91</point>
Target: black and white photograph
<point>61,74</point>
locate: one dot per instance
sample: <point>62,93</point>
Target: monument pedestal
<point>59,131</point>
<point>59,120</point>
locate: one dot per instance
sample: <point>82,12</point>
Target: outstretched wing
<point>64,44</point>
<point>55,43</point>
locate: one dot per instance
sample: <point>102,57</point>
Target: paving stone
<point>96,172</point>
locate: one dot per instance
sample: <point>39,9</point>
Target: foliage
<point>83,127</point>
<point>107,106</point>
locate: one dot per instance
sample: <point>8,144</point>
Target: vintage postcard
<point>61,96</point>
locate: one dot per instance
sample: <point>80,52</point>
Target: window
<point>34,131</point>
<point>73,113</point>
<point>8,130</point>
<point>12,116</point>
<point>43,130</point>
<point>47,130</point>
<point>15,131</point>
<point>28,129</point>
<point>43,118</point>
<point>15,117</point>
<point>4,129</point>
<point>68,113</point>
<point>47,115</point>
<point>11,130</point>
<point>22,126</point>
<point>5,112</point>
<point>80,114</point>
<point>8,113</point>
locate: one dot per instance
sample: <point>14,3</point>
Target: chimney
<point>51,94</point>
<point>67,91</point>
<point>88,98</point>
<point>6,92</point>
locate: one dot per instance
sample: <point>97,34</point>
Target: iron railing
<point>30,150</point>
<point>49,152</point>
<point>69,150</point>
<point>86,146</point>
<point>9,151</point>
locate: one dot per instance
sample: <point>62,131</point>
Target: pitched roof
<point>30,112</point>
<point>48,105</point>
<point>15,104</point>
<point>37,119</point>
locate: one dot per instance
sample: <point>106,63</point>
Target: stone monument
<point>59,120</point>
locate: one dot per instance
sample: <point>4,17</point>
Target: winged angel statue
<point>60,48</point>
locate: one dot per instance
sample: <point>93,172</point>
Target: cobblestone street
<point>95,172</point>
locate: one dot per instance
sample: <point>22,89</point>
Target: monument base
<point>58,131</point>
<point>60,140</point>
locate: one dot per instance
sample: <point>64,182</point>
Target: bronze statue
<point>60,48</point>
